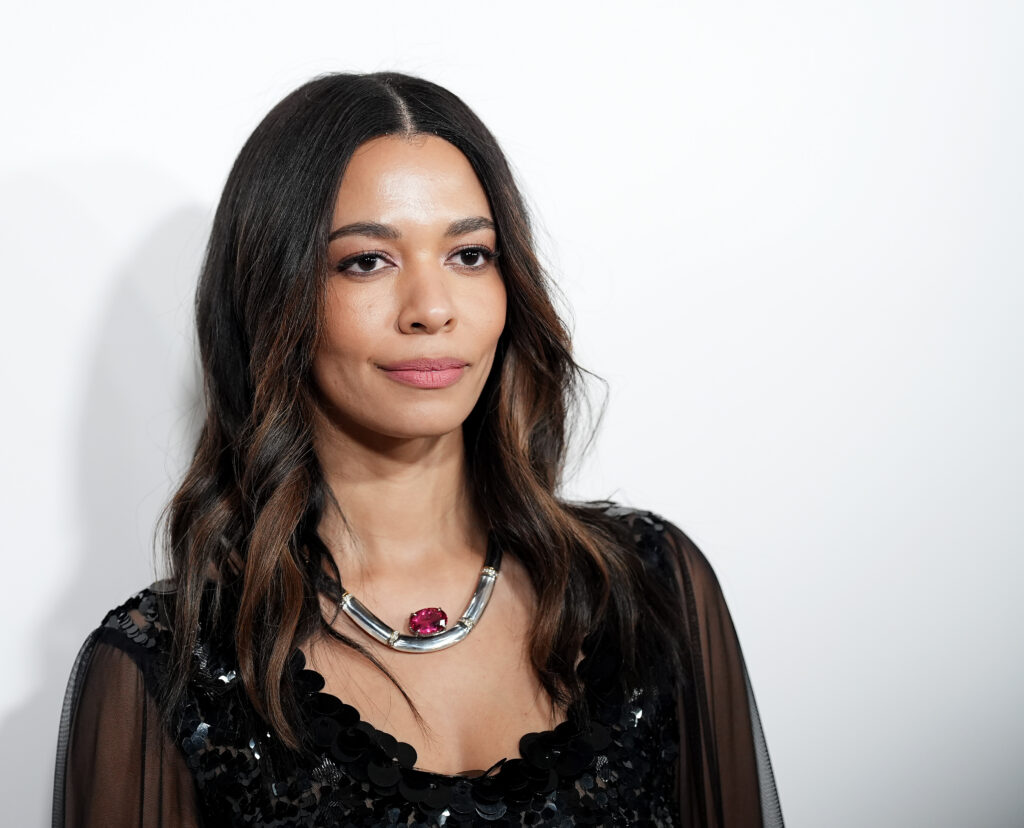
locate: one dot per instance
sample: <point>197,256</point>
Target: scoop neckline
<point>315,682</point>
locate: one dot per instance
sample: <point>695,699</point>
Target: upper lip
<point>425,364</point>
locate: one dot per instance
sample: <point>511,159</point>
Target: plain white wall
<point>789,235</point>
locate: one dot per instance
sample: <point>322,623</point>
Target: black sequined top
<point>616,760</point>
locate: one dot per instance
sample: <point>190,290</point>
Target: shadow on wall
<point>139,418</point>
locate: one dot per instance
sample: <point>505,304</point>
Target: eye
<point>363,263</point>
<point>474,258</point>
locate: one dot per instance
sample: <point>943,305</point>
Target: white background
<point>790,239</point>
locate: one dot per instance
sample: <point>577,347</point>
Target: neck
<point>406,502</point>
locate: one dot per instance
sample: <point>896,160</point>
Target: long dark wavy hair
<point>246,515</point>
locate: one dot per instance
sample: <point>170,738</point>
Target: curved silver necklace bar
<point>371,624</point>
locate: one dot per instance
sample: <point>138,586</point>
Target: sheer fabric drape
<point>726,776</point>
<point>116,763</point>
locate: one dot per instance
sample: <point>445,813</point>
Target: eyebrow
<point>375,230</point>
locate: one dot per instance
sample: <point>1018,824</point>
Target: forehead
<point>413,178</point>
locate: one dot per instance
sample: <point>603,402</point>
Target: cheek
<point>348,328</point>
<point>492,311</point>
<point>344,347</point>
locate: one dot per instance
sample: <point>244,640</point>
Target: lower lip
<point>427,379</point>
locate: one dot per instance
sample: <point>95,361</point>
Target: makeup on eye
<point>482,255</point>
<point>364,262</point>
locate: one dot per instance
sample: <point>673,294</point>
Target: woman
<point>375,588</point>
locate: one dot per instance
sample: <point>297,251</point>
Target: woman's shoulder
<point>140,624</point>
<point>142,628</point>
<point>661,543</point>
<point>143,624</point>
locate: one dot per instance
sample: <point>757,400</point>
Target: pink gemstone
<point>428,621</point>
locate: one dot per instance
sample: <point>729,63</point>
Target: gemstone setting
<point>428,621</point>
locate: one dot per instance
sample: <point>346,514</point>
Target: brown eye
<point>363,263</point>
<point>475,258</point>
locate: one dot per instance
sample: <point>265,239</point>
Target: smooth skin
<point>423,285</point>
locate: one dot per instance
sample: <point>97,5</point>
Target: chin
<point>420,427</point>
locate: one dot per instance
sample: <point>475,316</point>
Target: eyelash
<point>486,253</point>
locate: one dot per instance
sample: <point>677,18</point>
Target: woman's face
<point>412,278</point>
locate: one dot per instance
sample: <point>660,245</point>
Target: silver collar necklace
<point>429,626</point>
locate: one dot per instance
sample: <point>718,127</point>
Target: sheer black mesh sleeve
<point>726,778</point>
<point>116,765</point>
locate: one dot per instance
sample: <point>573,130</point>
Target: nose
<point>425,300</point>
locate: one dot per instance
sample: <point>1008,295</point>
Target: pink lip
<point>425,364</point>
<point>426,373</point>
